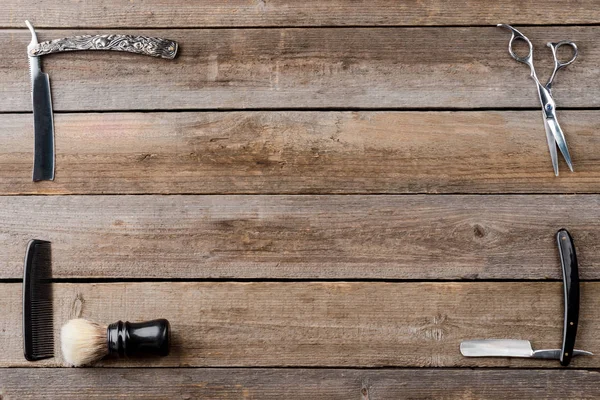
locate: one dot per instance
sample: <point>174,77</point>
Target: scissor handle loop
<point>555,46</point>
<point>557,63</point>
<point>516,35</point>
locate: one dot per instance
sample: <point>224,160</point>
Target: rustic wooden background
<point>323,197</point>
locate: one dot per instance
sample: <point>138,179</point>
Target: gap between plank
<point>324,367</point>
<point>206,27</point>
<point>293,280</point>
<point>305,109</point>
<point>247,194</point>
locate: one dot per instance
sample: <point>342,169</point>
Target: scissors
<point>554,134</point>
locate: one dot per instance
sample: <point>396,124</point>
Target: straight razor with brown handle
<point>522,348</point>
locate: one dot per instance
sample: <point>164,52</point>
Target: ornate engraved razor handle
<point>149,46</point>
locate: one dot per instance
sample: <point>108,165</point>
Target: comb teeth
<point>38,330</point>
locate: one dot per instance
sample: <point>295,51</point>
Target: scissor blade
<point>559,137</point>
<point>551,146</point>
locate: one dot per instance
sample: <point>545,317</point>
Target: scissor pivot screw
<point>549,107</point>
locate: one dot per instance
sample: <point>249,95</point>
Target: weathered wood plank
<point>306,68</point>
<point>308,237</point>
<point>341,324</point>
<point>203,13</point>
<point>303,152</point>
<point>260,383</point>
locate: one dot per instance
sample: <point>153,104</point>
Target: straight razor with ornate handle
<point>44,158</point>
<point>522,348</point>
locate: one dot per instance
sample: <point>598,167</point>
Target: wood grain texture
<point>202,13</point>
<point>306,68</point>
<point>260,383</point>
<point>341,324</point>
<point>303,152</point>
<point>307,237</point>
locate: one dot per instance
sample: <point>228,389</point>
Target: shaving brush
<point>84,342</point>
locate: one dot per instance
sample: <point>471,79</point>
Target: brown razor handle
<point>570,268</point>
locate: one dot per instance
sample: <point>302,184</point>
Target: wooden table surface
<point>324,198</point>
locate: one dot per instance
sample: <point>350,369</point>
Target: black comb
<point>38,332</point>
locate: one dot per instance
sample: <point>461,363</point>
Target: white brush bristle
<point>83,342</point>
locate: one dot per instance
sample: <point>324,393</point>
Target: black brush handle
<point>570,270</point>
<point>139,338</point>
